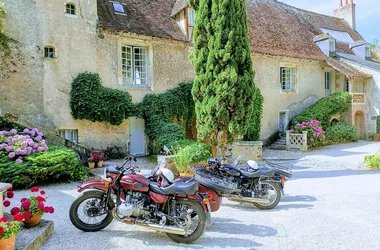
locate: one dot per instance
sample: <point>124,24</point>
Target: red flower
<point>10,194</point>
<point>51,210</point>
<point>42,192</point>
<point>15,210</point>
<point>40,199</point>
<point>18,217</point>
<point>6,203</point>
<point>34,189</point>
<point>3,219</point>
<point>40,206</point>
<point>1,230</point>
<point>10,189</point>
<point>23,199</point>
<point>26,205</point>
<point>27,215</point>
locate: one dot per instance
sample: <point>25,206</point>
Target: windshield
<point>236,161</point>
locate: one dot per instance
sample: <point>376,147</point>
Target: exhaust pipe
<point>249,200</point>
<point>161,228</point>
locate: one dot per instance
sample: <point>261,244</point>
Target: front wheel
<point>192,218</point>
<point>270,191</point>
<point>89,211</point>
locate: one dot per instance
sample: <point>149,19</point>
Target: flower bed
<point>315,134</point>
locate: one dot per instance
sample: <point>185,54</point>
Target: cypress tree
<point>224,86</point>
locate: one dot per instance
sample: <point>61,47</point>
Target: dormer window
<point>332,47</point>
<point>118,8</point>
<point>367,52</point>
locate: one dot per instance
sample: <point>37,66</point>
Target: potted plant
<point>376,137</point>
<point>92,160</point>
<point>9,231</point>
<point>100,157</point>
<point>33,208</point>
<point>191,155</point>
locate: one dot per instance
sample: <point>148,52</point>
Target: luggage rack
<point>279,168</point>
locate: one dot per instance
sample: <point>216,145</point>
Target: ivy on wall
<point>91,101</point>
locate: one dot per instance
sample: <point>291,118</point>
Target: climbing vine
<point>91,101</point>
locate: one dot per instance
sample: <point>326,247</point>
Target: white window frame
<point>332,45</point>
<point>69,134</point>
<point>191,17</point>
<point>288,79</point>
<point>328,78</point>
<point>136,77</point>
<point>367,51</point>
<point>67,8</point>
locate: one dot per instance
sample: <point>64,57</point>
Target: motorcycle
<point>177,209</point>
<point>252,185</point>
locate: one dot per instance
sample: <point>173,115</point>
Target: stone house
<point>142,47</point>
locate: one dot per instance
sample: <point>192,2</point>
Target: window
<point>328,80</point>
<point>49,52</point>
<point>70,134</point>
<point>70,9</point>
<point>332,47</point>
<point>134,65</point>
<point>288,79</point>
<point>347,89</point>
<point>191,16</point>
<point>367,52</point>
<point>118,8</point>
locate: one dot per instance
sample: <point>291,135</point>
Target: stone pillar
<point>287,139</point>
<point>3,187</point>
<point>304,141</point>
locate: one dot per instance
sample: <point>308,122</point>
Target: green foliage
<point>373,161</point>
<point>325,108</point>
<point>224,87</point>
<point>193,153</point>
<point>341,132</point>
<point>175,146</point>
<point>254,126</point>
<point>10,228</point>
<point>91,101</point>
<point>159,110</point>
<point>169,132</point>
<point>114,152</point>
<point>7,125</point>
<point>378,125</point>
<point>56,165</point>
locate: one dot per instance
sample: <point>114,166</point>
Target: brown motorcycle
<point>177,209</point>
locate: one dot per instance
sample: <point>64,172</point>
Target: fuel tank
<point>230,169</point>
<point>134,182</point>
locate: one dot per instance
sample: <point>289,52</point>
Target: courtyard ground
<point>330,203</point>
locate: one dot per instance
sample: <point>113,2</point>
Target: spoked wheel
<point>192,218</point>
<point>89,211</point>
<point>269,191</point>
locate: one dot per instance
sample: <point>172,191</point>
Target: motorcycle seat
<point>189,188</point>
<point>258,173</point>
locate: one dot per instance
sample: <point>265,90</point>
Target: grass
<point>373,161</point>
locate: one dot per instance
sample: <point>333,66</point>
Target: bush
<point>175,146</point>
<point>378,125</point>
<point>7,125</point>
<point>325,108</point>
<point>254,126</point>
<point>373,161</point>
<point>114,152</point>
<point>340,132</point>
<point>169,132</point>
<point>58,164</point>
<point>193,153</point>
<point>315,133</point>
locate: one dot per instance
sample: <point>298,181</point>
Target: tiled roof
<point>369,63</point>
<point>147,17</point>
<point>178,6</point>
<point>342,47</point>
<point>279,29</point>
<point>349,71</point>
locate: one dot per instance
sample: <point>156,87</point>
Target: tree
<point>224,87</point>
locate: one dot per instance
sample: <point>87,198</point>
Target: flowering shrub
<point>315,134</point>
<point>32,205</point>
<point>96,157</point>
<point>7,194</point>
<point>7,229</point>
<point>18,145</point>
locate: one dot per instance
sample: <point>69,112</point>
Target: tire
<point>272,205</point>
<point>78,223</point>
<point>219,185</point>
<point>200,228</point>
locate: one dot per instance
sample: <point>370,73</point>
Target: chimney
<point>346,12</point>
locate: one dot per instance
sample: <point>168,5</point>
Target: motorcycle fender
<point>197,198</point>
<point>94,184</point>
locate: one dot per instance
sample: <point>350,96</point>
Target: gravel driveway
<point>329,204</point>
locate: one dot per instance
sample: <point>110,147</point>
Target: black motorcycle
<point>242,185</point>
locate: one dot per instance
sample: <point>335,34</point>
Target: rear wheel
<point>89,211</point>
<point>270,191</point>
<point>192,218</point>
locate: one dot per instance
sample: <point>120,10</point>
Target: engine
<point>133,206</point>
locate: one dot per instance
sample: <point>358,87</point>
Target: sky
<point>367,14</point>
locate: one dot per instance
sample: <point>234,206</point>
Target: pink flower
<point>292,131</point>
<point>15,210</point>
<point>324,137</point>
<point>10,194</point>
<point>9,148</point>
<point>40,206</point>
<point>27,215</point>
<point>6,203</point>
<point>51,210</point>
<point>311,139</point>
<point>26,205</point>
<point>18,161</point>
<point>13,131</point>
<point>34,189</point>
<point>42,192</point>
<point>23,199</point>
<point>11,155</point>
<point>26,131</point>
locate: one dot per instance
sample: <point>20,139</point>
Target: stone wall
<point>248,150</point>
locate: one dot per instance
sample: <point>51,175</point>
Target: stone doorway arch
<point>360,124</point>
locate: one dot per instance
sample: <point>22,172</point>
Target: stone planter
<point>91,164</point>
<point>99,164</point>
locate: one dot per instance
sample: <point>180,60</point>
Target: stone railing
<point>358,98</point>
<point>296,141</point>
<point>3,187</point>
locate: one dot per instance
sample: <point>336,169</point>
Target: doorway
<point>282,122</point>
<point>359,124</point>
<point>137,136</point>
